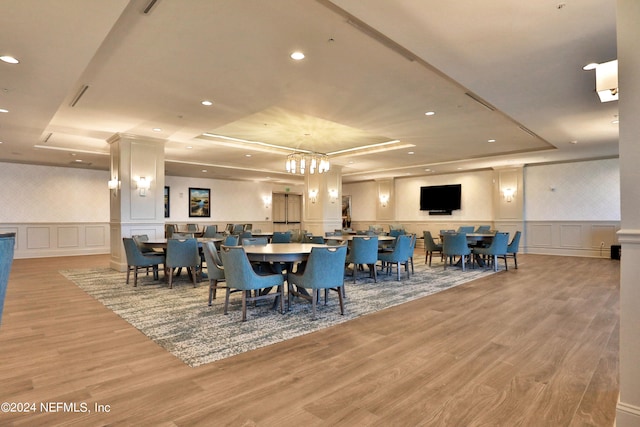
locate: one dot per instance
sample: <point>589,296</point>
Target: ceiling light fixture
<point>430,113</point>
<point>299,162</point>
<point>207,103</point>
<point>607,81</point>
<point>297,55</point>
<point>3,110</point>
<point>9,59</point>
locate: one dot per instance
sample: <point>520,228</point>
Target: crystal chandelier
<point>315,162</point>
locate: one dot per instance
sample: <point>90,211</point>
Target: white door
<point>286,211</point>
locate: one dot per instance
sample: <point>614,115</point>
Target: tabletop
<point>350,237</point>
<point>280,252</point>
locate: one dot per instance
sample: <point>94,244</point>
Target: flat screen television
<point>440,198</point>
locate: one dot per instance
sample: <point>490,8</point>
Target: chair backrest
<point>402,249</point>
<point>247,227</point>
<point>466,229</point>
<point>483,229</point>
<point>210,231</point>
<point>231,240</point>
<point>412,244</point>
<point>133,252</point>
<point>192,227</point>
<point>325,267</point>
<point>182,253</point>
<point>245,235</point>
<point>442,232</point>
<point>7,245</point>
<point>395,232</point>
<point>515,243</point>
<point>229,229</point>
<point>455,244</point>
<point>182,236</point>
<point>281,237</point>
<point>248,241</point>
<point>215,270</point>
<point>429,243</point>
<point>169,229</point>
<point>140,239</point>
<point>499,244</point>
<point>364,250</point>
<point>315,239</point>
<point>238,228</point>
<point>296,235</point>
<point>238,271</point>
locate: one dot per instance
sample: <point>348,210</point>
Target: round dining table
<point>280,252</point>
<point>350,237</point>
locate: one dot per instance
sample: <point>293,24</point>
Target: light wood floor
<point>537,346</point>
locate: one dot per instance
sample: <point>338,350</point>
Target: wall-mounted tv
<point>440,198</point>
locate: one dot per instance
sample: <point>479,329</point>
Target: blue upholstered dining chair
<point>248,241</point>
<point>314,239</point>
<point>512,249</point>
<point>137,260</point>
<point>210,231</point>
<point>244,235</point>
<point>430,246</point>
<point>231,240</point>
<point>192,228</point>
<point>497,248</point>
<point>466,229</point>
<point>399,255</point>
<point>281,237</point>
<point>324,270</point>
<point>364,251</point>
<point>455,244</point>
<point>483,229</point>
<point>182,253</point>
<point>241,277</point>
<point>7,244</point>
<point>215,270</point>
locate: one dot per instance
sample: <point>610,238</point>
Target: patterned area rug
<point>181,321</point>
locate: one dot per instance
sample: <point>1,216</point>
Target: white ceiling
<point>372,69</point>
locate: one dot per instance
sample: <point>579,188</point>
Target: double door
<point>286,211</point>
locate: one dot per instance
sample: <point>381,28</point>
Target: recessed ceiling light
<point>491,140</point>
<point>207,103</point>
<point>157,130</point>
<point>204,170</point>
<point>590,66</point>
<point>9,59</point>
<point>411,152</point>
<point>247,155</point>
<point>429,113</point>
<point>189,147</point>
<point>297,56</point>
<point>78,160</point>
<point>427,170</point>
<point>2,110</point>
<point>615,122</point>
<point>573,141</point>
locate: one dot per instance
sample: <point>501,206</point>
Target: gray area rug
<point>181,321</point>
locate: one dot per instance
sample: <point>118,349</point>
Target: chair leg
<point>515,261</point>
<point>135,277</point>
<point>355,268</point>
<point>281,299</point>
<point>213,287</point>
<point>128,271</point>
<point>314,300</point>
<point>170,278</point>
<point>340,299</point>
<point>244,304</point>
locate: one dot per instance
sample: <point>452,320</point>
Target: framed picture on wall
<point>199,202</point>
<point>167,212</point>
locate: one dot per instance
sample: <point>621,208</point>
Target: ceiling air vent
<point>79,95</point>
<point>480,101</point>
<point>149,7</point>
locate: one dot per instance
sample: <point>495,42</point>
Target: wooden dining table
<point>280,252</point>
<point>162,243</point>
<point>350,237</point>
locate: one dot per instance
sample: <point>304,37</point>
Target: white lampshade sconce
<point>142,185</point>
<point>267,201</point>
<point>508,193</point>
<point>333,195</point>
<point>313,195</point>
<point>607,81</point>
<point>384,200</point>
<point>113,184</point>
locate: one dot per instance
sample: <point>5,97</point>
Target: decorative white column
<point>322,201</point>
<point>628,32</point>
<point>137,201</point>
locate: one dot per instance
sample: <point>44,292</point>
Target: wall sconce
<point>143,184</point>
<point>267,201</point>
<point>313,194</point>
<point>508,193</point>
<point>333,195</point>
<point>113,184</point>
<point>607,81</point>
<point>384,199</point>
